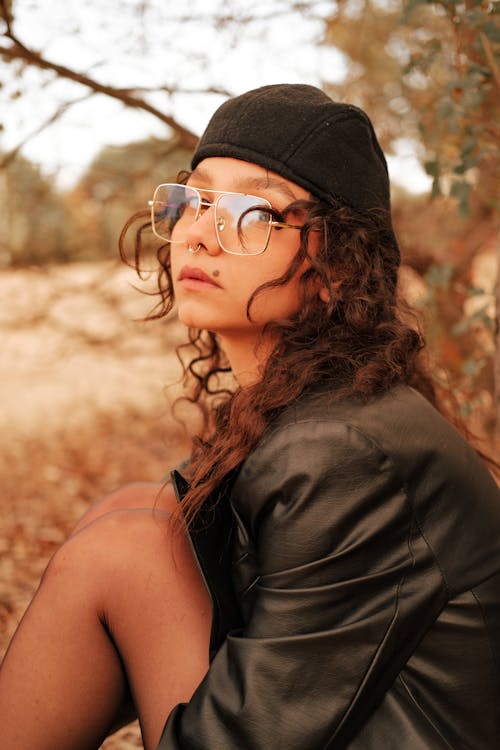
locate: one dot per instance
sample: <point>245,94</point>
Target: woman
<point>340,582</point>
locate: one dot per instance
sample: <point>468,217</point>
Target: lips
<point>188,273</point>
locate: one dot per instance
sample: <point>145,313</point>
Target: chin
<point>194,318</point>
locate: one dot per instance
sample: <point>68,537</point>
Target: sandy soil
<point>84,408</point>
<point>71,343</point>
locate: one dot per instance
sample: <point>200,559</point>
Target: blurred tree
<point>429,71</point>
<point>18,53</point>
<point>173,47</point>
<point>118,183</point>
<point>35,223</point>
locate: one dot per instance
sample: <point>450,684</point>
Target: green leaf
<point>492,31</point>
<point>475,17</point>
<point>461,327</point>
<point>461,191</point>
<point>469,145</point>
<point>439,275</point>
<point>409,6</point>
<point>472,367</point>
<point>432,168</point>
<point>465,409</point>
<point>480,71</point>
<point>445,107</point>
<point>436,188</point>
<point>474,291</point>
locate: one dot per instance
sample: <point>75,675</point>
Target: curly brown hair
<point>360,341</point>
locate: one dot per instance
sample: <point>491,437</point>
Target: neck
<point>247,355</point>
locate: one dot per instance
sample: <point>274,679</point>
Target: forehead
<point>225,173</point>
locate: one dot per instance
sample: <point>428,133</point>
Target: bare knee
<point>122,548</point>
<point>112,533</point>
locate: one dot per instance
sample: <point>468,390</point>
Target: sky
<point>147,44</point>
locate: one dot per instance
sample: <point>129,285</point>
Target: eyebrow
<point>253,183</point>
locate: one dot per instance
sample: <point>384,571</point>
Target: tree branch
<point>490,57</point>
<point>11,155</point>
<point>6,14</point>
<point>17,51</point>
<point>176,90</point>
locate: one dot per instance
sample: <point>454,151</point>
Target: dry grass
<point>48,484</point>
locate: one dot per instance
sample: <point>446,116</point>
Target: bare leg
<point>122,607</point>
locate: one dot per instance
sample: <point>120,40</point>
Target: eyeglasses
<point>243,222</point>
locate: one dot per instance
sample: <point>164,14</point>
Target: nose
<point>202,233</point>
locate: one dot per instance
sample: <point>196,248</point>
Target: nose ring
<point>194,249</point>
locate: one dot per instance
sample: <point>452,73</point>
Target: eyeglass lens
<point>242,222</point>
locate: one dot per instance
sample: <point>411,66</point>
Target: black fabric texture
<point>329,148</point>
<point>366,564</point>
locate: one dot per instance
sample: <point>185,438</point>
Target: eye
<point>264,214</point>
<point>259,213</point>
<point>256,214</point>
<point>186,207</point>
<point>205,204</point>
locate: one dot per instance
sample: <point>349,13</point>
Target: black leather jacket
<point>354,567</point>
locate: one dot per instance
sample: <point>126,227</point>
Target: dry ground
<point>84,409</point>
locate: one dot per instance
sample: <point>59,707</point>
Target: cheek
<point>279,302</point>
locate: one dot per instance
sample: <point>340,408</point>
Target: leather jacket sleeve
<point>343,585</point>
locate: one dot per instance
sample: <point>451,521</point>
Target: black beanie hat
<point>296,130</point>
